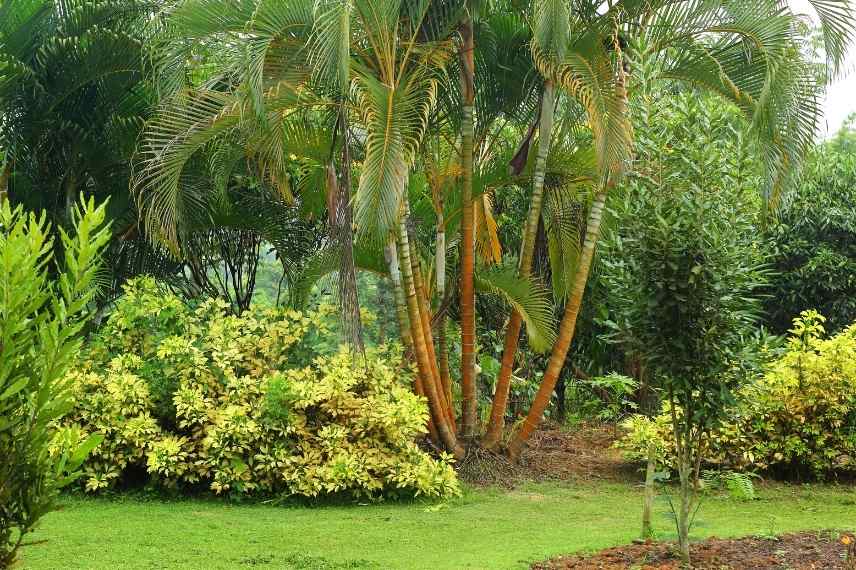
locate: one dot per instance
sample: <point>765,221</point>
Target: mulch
<point>579,454</point>
<point>824,550</point>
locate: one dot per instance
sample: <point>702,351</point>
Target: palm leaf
<point>526,296</point>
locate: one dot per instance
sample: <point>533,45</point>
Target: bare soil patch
<point>824,550</point>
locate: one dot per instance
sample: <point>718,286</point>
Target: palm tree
<point>72,100</point>
<point>365,59</point>
<point>309,94</point>
<point>747,53</point>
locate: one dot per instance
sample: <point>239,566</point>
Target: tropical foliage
<point>684,273</point>
<point>795,419</point>
<point>315,96</point>
<point>64,133</point>
<point>624,179</point>
<point>41,322</point>
<point>815,240</point>
<point>195,397</point>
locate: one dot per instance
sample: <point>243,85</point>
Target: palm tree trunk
<point>527,249</point>
<point>435,404</point>
<point>391,254</point>
<point>443,357</point>
<point>566,328</point>
<point>419,388</point>
<point>469,402</point>
<point>425,322</point>
<point>442,345</point>
<point>349,299</point>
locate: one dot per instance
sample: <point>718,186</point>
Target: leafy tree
<point>40,327</point>
<point>685,271</point>
<point>701,43</point>
<point>815,240</point>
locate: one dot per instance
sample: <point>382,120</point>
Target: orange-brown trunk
<point>435,403</point>
<point>527,251</point>
<point>432,429</point>
<point>566,329</point>
<point>425,322</point>
<point>469,398</point>
<point>503,383</point>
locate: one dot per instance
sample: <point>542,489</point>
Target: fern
<point>738,485</point>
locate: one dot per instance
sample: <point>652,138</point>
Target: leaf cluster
<point>41,320</point>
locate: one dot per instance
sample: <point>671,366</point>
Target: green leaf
<point>531,299</point>
<point>14,389</point>
<point>83,450</point>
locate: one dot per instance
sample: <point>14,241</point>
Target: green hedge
<point>250,404</point>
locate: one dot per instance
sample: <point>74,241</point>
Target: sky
<point>841,94</point>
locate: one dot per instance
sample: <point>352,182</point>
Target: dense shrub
<point>193,395</point>
<point>815,240</point>
<point>40,323</point>
<point>800,416</point>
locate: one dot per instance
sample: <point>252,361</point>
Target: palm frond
<point>529,298</point>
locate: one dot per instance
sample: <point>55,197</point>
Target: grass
<point>484,529</point>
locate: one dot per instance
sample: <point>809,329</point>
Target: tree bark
<point>566,328</point>
<point>391,254</point>
<point>419,388</point>
<point>445,431</point>
<point>442,344</point>
<point>648,500</point>
<point>425,322</point>
<point>349,299</point>
<point>469,401</point>
<point>684,511</point>
<point>527,249</point>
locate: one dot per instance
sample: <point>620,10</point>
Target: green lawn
<point>484,529</point>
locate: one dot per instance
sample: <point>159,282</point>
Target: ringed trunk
<point>442,348</point>
<point>566,329</point>
<point>527,250</point>
<point>425,322</point>
<point>391,254</point>
<point>438,413</point>
<point>469,403</point>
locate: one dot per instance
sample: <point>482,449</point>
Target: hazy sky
<point>841,94</point>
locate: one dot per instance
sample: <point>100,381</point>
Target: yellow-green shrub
<point>799,416</point>
<point>194,395</point>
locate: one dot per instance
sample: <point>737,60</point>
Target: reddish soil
<point>824,550</point>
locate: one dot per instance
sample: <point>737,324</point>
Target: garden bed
<point>825,550</point>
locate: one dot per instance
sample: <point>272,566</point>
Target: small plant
<point>616,395</point>
<point>738,485</point>
<point>770,533</point>
<point>40,324</point>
